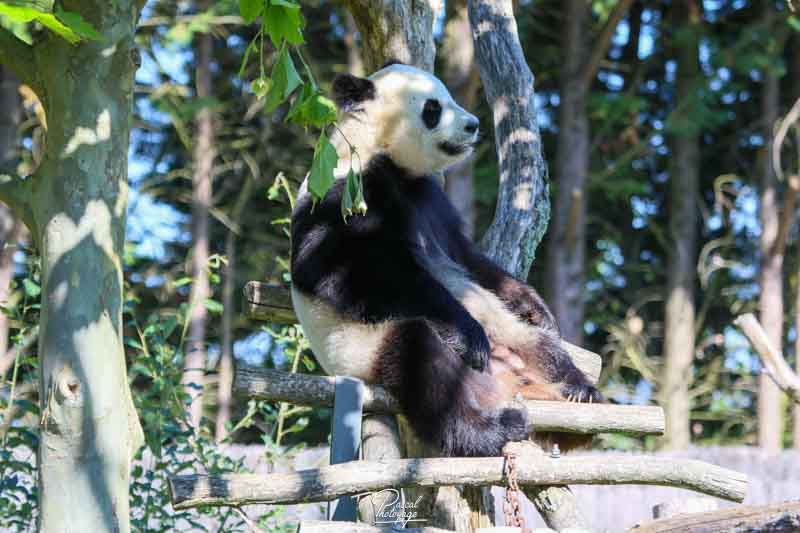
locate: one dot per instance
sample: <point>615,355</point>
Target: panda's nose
<point>472,125</point>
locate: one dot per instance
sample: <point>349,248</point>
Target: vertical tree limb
<point>225,387</point>
<point>565,268</point>
<point>396,29</point>
<point>771,303</point>
<point>195,363</point>
<point>523,204</point>
<point>461,77</point>
<point>601,45</point>
<point>10,226</point>
<point>679,312</point>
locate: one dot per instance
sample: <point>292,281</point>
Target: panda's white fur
<point>399,296</point>
<point>391,124</point>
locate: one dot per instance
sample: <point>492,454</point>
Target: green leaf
<point>284,80</point>
<point>76,23</point>
<point>347,197</point>
<point>31,288</point>
<point>284,23</point>
<point>48,20</point>
<point>180,282</point>
<point>213,306</point>
<point>321,177</point>
<point>312,108</point>
<point>353,197</point>
<point>250,9</point>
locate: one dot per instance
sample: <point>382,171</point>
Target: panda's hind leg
<point>541,370</point>
<point>447,403</point>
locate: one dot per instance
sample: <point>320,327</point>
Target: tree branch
<point>304,389</point>
<point>600,47</point>
<point>523,201</point>
<point>19,57</point>
<point>321,526</point>
<point>774,363</point>
<point>778,517</point>
<point>357,477</point>
<point>787,216</point>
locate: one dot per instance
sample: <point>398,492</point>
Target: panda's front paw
<point>583,392</point>
<point>477,349</point>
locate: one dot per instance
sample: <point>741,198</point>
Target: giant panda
<point>400,297</point>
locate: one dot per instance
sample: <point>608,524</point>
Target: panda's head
<point>406,113</point>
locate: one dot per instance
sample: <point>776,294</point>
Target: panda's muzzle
<point>453,149</point>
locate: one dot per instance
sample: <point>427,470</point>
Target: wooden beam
<point>304,389</point>
<point>322,526</point>
<point>774,518</point>
<point>358,477</point>
<point>774,363</point>
<point>273,303</point>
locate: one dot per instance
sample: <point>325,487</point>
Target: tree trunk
<point>10,227</point>
<point>795,69</point>
<point>523,203</point>
<point>770,421</point>
<point>398,29</point>
<point>679,313</point>
<point>565,271</point>
<point>523,206</point>
<point>461,77</point>
<point>225,391</point>
<point>75,206</point>
<point>355,65</point>
<point>195,363</point>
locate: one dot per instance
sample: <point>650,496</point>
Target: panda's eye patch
<point>431,113</point>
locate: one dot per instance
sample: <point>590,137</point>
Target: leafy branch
<point>282,21</point>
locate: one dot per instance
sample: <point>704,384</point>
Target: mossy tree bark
<point>75,206</point>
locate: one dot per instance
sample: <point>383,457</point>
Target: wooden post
<point>348,408</point>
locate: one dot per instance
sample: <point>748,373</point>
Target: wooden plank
<point>357,477</point>
<point>304,389</point>
<point>774,518</point>
<point>273,303</point>
<point>321,526</point>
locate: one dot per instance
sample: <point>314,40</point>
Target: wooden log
<point>586,418</point>
<point>684,506</point>
<point>774,518</point>
<point>380,440</point>
<point>358,477</point>
<point>323,526</point>
<point>273,303</point>
<point>771,356</point>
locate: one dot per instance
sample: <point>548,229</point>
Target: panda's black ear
<point>349,91</point>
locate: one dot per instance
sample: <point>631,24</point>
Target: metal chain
<point>511,507</point>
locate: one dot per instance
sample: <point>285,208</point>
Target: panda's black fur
<point>435,357</point>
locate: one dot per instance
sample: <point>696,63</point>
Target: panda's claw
<point>581,393</point>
